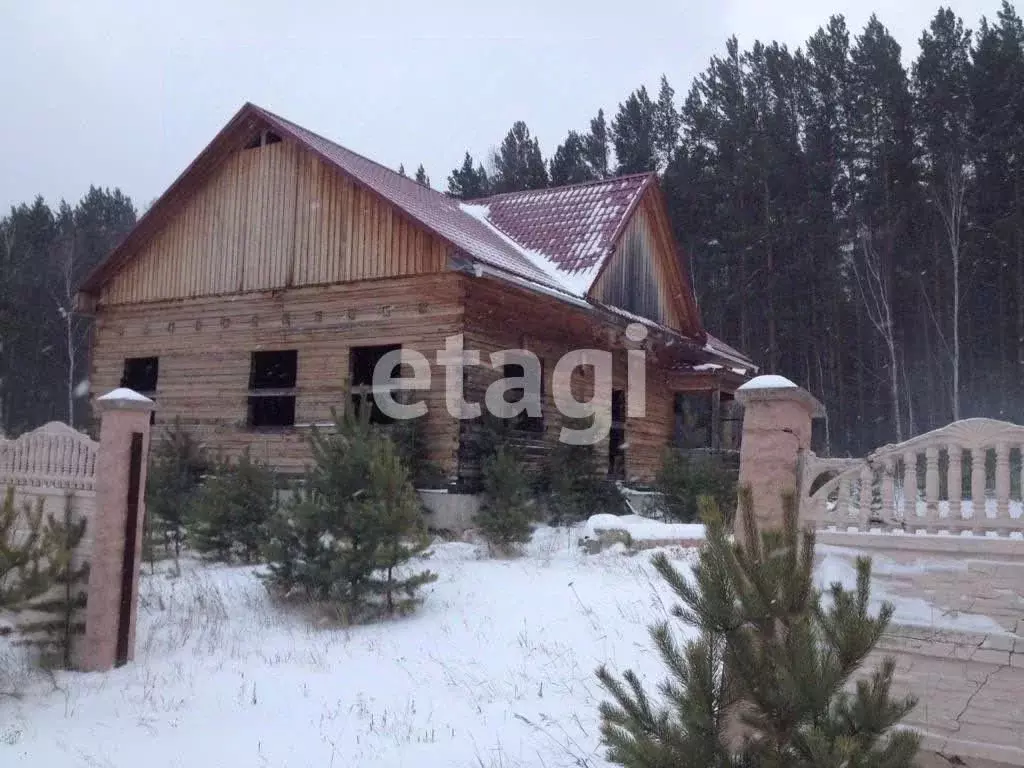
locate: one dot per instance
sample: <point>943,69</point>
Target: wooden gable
<point>644,275</point>
<point>268,217</point>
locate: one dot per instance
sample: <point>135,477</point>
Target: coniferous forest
<point>852,218</point>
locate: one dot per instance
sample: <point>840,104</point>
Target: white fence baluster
<point>978,488</point>
<point>909,488</point>
<point>955,481</point>
<point>864,511</point>
<point>931,487</point>
<point>888,490</point>
<point>842,514</point>
<point>1002,480</point>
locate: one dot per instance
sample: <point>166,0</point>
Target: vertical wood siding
<point>637,278</point>
<point>274,217</point>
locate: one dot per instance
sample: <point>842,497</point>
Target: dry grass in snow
<point>496,669</point>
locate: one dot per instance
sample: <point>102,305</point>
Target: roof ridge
<point>578,184</point>
<point>378,164</point>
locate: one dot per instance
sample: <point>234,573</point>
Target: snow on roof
<point>567,282</point>
<point>769,381</point>
<point>123,393</point>
<point>573,228</point>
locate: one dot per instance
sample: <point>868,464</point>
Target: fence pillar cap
<point>123,399</point>
<point>775,388</point>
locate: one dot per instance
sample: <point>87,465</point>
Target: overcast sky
<point>127,93</point>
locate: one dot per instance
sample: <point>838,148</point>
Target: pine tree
<point>177,465</point>
<point>349,533</point>
<point>575,486</point>
<point>683,480</point>
<point>505,517</point>
<point>595,146</point>
<point>468,182</point>
<point>518,163</point>
<point>403,537</point>
<point>421,176</point>
<point>773,657</point>
<point>413,448</point>
<point>61,606</point>
<point>666,124</point>
<point>634,134</point>
<point>941,84</point>
<point>569,164</point>
<point>231,511</point>
<point>401,170</point>
<point>30,552</point>
<point>996,229</point>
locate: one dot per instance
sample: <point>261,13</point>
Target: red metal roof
<point>434,210</point>
<point>557,239</point>
<point>574,227</point>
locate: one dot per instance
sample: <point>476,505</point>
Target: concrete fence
<point>101,482</point>
<point>940,516</point>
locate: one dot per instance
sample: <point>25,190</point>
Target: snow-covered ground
<point>495,669</point>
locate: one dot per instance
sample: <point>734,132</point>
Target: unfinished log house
<point>258,292</point>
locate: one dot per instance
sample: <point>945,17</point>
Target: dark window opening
<point>523,420</point>
<point>272,378</point>
<point>272,411</point>
<point>274,370</point>
<point>141,374</point>
<point>617,436</point>
<point>731,423</point>
<point>262,139</point>
<point>362,363</point>
<point>694,419</point>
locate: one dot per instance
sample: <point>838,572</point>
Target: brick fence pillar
<point>112,603</point>
<point>777,418</point>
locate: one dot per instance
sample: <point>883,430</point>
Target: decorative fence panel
<point>53,466</point>
<point>53,456</point>
<point>964,479</point>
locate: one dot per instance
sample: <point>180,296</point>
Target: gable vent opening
<point>262,139</point>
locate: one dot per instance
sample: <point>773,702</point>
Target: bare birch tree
<point>62,292</point>
<point>950,202</point>
<point>876,293</point>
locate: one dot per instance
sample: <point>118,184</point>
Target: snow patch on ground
<point>838,566</point>
<point>643,528</point>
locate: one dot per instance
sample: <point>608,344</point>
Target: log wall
<point>500,317</point>
<point>273,217</point>
<point>204,346</point>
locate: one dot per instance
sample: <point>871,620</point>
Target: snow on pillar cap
<point>769,381</point>
<point>774,387</point>
<point>126,400</point>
